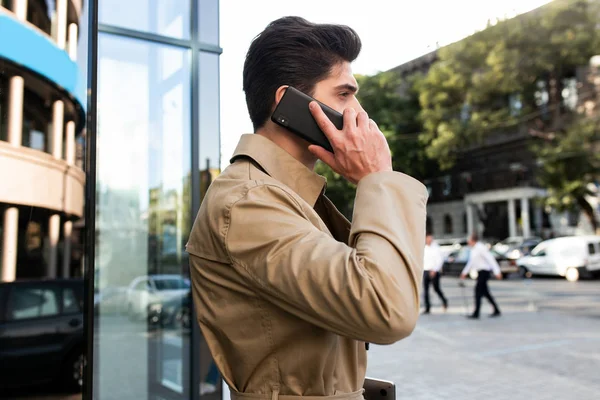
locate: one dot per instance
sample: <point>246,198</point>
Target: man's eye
<point>345,94</point>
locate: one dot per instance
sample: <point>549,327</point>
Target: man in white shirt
<point>434,259</point>
<point>484,263</point>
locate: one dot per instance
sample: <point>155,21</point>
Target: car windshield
<point>495,253</point>
<point>171,284</point>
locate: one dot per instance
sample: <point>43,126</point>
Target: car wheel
<point>182,318</point>
<point>572,274</point>
<point>73,372</point>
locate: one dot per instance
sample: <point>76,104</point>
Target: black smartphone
<point>378,389</point>
<point>292,113</point>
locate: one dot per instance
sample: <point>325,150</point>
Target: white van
<point>571,257</point>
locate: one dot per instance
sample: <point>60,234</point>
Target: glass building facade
<point>157,148</point>
<point>109,138</point>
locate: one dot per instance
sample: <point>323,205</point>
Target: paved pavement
<point>545,346</point>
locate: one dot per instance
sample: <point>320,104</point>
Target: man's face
<point>339,89</point>
<point>471,242</point>
<point>428,239</point>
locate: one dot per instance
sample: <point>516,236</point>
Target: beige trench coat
<point>287,291</point>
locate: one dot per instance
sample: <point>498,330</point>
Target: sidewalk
<point>527,354</point>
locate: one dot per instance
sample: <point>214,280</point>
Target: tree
<point>394,104</point>
<point>513,76</point>
<point>570,165</point>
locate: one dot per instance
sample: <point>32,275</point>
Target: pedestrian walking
<point>485,264</point>
<point>432,271</point>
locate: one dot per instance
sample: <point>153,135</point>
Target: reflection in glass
<point>210,380</point>
<point>209,118</point>
<point>143,218</point>
<point>162,17</point>
<point>208,11</point>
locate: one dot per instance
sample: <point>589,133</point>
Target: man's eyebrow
<point>348,87</point>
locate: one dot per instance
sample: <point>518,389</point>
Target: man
<point>434,260</point>
<point>484,263</point>
<point>287,291</point>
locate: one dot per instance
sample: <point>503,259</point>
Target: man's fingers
<point>363,120</point>
<point>326,156</point>
<point>323,121</point>
<point>349,119</point>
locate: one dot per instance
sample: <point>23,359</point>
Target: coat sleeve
<point>368,289</point>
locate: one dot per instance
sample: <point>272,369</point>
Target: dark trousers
<point>482,290</point>
<point>427,280</point>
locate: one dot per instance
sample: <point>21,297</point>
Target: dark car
<point>41,333</point>
<point>456,261</point>
<point>171,313</point>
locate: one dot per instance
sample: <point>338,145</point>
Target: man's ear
<point>279,93</point>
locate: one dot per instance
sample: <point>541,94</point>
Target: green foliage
<point>466,93</point>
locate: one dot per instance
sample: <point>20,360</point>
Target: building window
<point>429,226</point>
<point>542,97</point>
<point>447,185</point>
<point>448,228</point>
<point>465,223</point>
<point>515,104</point>
<point>161,17</point>
<point>569,94</point>
<point>429,187</point>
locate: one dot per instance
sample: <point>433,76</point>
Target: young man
<point>484,262</point>
<point>287,291</point>
<point>434,260</point>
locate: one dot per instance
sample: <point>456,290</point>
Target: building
<point>130,89</point>
<point>42,114</point>
<point>492,189</point>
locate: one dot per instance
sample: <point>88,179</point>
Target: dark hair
<point>293,51</point>
<point>475,237</point>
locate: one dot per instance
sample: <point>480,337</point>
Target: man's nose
<point>357,107</point>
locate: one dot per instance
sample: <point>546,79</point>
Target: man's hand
<point>359,148</point>
<point>432,274</point>
<point>499,277</point>
<point>463,277</point>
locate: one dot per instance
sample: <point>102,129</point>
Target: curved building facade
<point>42,118</point>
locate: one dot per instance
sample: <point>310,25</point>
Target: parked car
<point>41,333</point>
<point>457,260</point>
<point>451,245</point>
<point>151,289</point>
<point>173,313</point>
<point>569,256</point>
<point>516,247</point>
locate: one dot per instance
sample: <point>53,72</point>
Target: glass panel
<point>143,217</point>
<point>162,17</point>
<point>208,11</point>
<point>27,302</point>
<point>591,248</point>
<point>209,116</point>
<point>210,380</point>
<point>70,304</point>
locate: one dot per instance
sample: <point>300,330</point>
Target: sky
<point>392,32</point>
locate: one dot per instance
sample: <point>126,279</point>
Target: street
<point>546,345</point>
